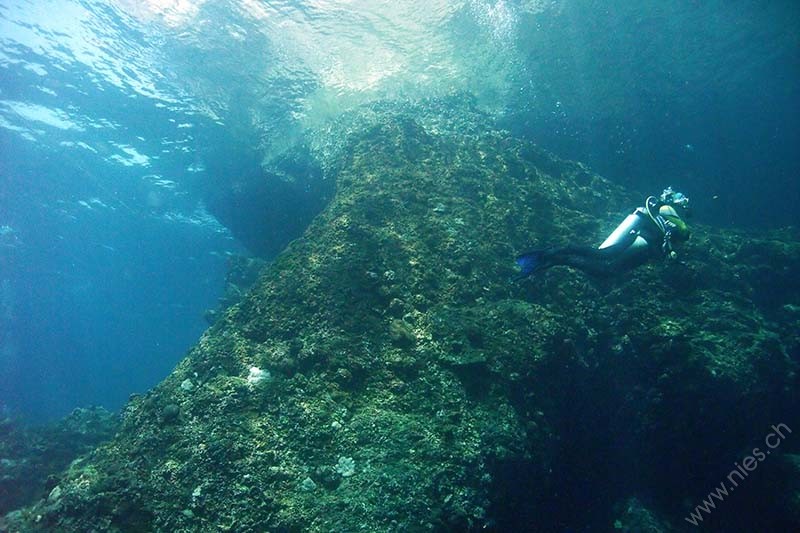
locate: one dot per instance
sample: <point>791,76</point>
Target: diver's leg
<point>605,262</point>
<point>597,261</point>
<point>592,260</point>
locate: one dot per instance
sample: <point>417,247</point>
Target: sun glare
<point>173,13</point>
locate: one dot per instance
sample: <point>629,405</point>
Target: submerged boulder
<point>413,387</point>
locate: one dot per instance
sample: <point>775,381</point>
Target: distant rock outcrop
<point>32,457</point>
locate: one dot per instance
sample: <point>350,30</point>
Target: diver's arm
<point>675,230</point>
<point>666,246</point>
<point>678,228</point>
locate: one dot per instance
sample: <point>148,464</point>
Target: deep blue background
<point>102,303</point>
<point>700,95</point>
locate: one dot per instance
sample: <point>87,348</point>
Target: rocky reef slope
<point>385,375</point>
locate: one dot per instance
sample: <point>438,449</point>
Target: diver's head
<point>675,199</point>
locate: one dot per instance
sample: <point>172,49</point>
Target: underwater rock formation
<point>32,457</point>
<point>241,274</point>
<point>408,385</point>
<point>266,204</point>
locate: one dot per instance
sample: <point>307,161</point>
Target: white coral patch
<point>257,375</point>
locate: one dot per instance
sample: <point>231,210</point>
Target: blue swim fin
<point>529,263</point>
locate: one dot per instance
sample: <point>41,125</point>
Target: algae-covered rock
<point>32,458</point>
<point>413,387</point>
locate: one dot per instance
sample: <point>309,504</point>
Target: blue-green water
<point>131,132</point>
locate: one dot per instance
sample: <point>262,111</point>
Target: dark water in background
<point>703,95</point>
<point>127,126</point>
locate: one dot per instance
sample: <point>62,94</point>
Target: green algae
<point>395,340</point>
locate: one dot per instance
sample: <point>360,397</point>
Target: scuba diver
<point>647,233</point>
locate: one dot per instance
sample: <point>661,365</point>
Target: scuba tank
<point>630,225</point>
<point>634,236</point>
<point>633,223</point>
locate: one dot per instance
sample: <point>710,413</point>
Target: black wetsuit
<point>621,256</point>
